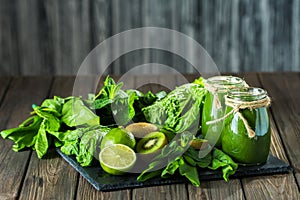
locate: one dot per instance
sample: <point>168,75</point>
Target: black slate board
<point>105,182</point>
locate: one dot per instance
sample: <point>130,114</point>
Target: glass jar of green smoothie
<point>214,105</point>
<point>246,133</point>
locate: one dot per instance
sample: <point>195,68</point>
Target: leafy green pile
<point>71,125</point>
<point>116,106</point>
<point>179,156</point>
<point>48,124</point>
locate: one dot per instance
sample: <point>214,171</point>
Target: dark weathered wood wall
<point>54,36</point>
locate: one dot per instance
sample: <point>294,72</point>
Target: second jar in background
<point>214,105</point>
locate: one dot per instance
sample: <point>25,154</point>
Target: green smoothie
<point>235,137</point>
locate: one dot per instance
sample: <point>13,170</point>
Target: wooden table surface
<point>24,176</point>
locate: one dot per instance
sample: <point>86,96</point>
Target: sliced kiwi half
<point>141,129</point>
<point>151,143</point>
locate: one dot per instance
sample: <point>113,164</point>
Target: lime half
<point>117,159</point>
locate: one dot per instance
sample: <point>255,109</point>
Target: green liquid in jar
<point>235,139</point>
<point>215,108</point>
<point>210,112</point>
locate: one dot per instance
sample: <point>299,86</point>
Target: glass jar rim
<point>225,81</point>
<point>247,94</point>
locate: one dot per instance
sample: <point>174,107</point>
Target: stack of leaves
<point>50,123</point>
<point>178,156</point>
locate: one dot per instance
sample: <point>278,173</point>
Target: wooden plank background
<point>54,36</point>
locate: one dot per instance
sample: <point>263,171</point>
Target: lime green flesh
<point>117,159</point>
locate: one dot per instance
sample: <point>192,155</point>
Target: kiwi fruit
<point>151,143</point>
<point>141,129</point>
<point>198,143</point>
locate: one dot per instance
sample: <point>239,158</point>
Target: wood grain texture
<point>54,37</point>
<point>271,187</point>
<point>285,92</point>
<point>217,190</point>
<point>14,109</point>
<point>4,82</point>
<point>87,191</point>
<point>177,191</point>
<point>45,174</point>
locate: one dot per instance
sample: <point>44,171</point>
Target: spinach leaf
<point>199,81</point>
<point>172,167</point>
<point>54,121</point>
<point>113,105</point>
<point>192,154</point>
<point>41,144</point>
<point>70,147</point>
<point>33,131</point>
<point>190,172</point>
<point>54,105</point>
<point>83,142</point>
<point>24,135</point>
<point>109,90</point>
<point>49,116</point>
<point>149,175</point>
<point>70,140</point>
<point>75,113</point>
<point>116,106</point>
<point>88,145</point>
<point>223,161</point>
<point>122,107</point>
<point>50,124</point>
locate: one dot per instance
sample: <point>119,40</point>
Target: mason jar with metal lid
<point>214,105</point>
<point>246,134</point>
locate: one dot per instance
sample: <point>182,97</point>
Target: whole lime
<point>118,136</point>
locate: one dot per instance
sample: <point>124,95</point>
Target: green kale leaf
<point>179,111</point>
